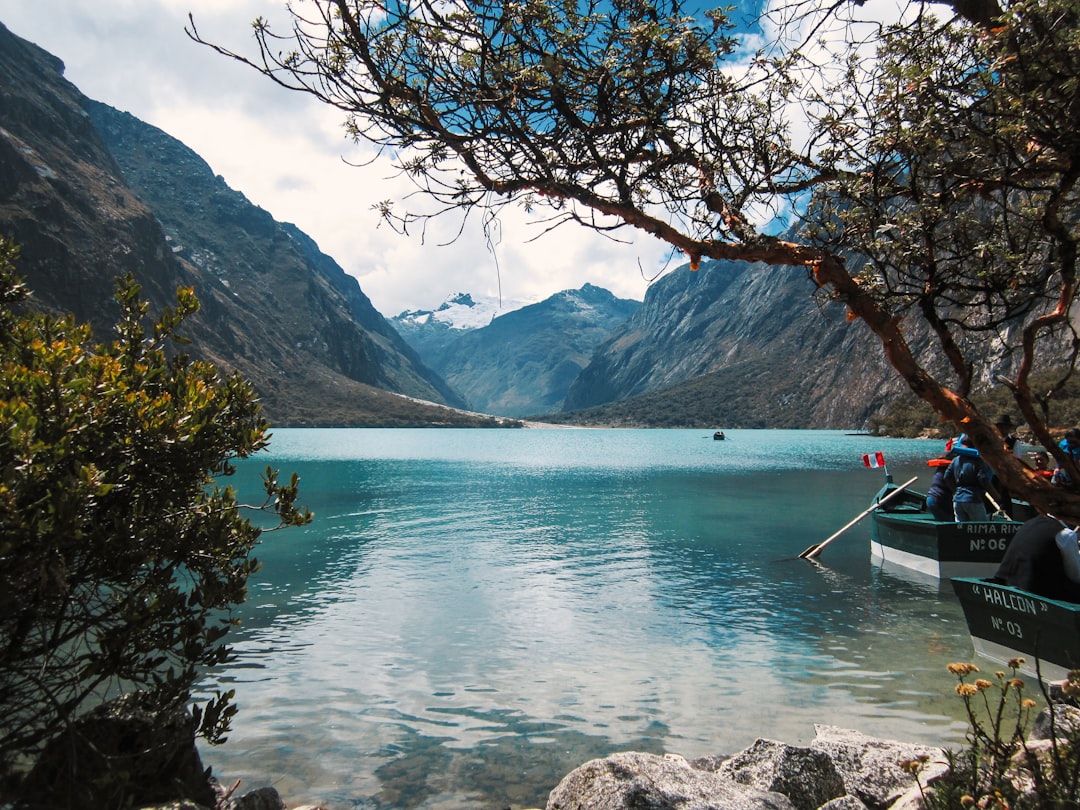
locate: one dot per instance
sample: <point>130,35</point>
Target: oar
<point>815,549</point>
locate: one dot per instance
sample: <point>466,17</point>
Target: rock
<point>651,782</point>
<point>264,798</point>
<point>912,798</point>
<point>122,751</point>
<point>845,802</point>
<point>806,776</point>
<point>1066,722</point>
<point>871,768</point>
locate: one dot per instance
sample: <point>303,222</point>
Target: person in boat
<point>1071,446</point>
<point>1012,442</point>
<point>1034,560</point>
<point>939,497</point>
<point>1040,460</point>
<point>1004,425</point>
<point>971,480</point>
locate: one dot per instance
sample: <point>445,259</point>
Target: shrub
<point>1002,766</point>
<point>121,553</point>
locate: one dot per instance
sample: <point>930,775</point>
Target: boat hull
<point>1007,622</point>
<point>904,533</point>
<point>938,549</point>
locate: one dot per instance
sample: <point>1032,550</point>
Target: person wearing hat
<point>1004,425</point>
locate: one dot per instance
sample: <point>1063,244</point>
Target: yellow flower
<point>910,766</point>
<point>1016,663</point>
<point>966,689</point>
<point>967,801</point>
<point>1028,703</point>
<point>982,684</point>
<point>1016,683</point>
<point>962,669</point>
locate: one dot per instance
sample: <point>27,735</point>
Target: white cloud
<point>285,152</point>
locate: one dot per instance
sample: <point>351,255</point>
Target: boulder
<point>264,798</point>
<point>1066,722</point>
<point>806,776</point>
<point>651,782</point>
<point>121,753</point>
<point>872,769</point>
<point>845,802</point>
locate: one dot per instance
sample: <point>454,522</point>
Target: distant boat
<point>719,436</point>
<point>904,532</point>
<point>1007,623</point>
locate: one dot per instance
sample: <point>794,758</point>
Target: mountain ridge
<point>524,360</point>
<point>272,305</point>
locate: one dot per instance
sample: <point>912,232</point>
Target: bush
<point>1002,766</point>
<point>121,554</point>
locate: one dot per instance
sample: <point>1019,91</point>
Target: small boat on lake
<point>1006,622</point>
<point>719,436</point>
<point>904,533</point>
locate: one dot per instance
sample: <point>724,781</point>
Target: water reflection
<point>468,626</point>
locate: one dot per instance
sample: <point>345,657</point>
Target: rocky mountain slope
<point>523,362</point>
<point>737,345</point>
<point>86,209</point>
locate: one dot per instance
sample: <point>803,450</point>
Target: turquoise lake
<point>475,613</point>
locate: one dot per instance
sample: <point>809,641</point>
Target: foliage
<point>935,160</point>
<point>121,553</point>
<point>1001,767</point>
<point>911,417</point>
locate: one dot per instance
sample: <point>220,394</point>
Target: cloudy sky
<point>287,154</point>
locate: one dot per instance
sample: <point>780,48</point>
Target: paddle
<point>815,549</point>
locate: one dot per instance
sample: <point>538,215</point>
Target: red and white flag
<point>873,460</point>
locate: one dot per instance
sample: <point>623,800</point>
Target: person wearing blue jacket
<point>971,479</point>
<point>939,498</point>
<point>1071,445</point>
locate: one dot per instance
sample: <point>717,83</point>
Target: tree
<point>933,161</point>
<point>121,554</point>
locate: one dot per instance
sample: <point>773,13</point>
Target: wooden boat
<point>1007,623</point>
<point>904,533</point>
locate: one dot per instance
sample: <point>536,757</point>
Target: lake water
<point>475,613</point>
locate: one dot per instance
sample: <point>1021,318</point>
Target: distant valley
<point>522,362</point>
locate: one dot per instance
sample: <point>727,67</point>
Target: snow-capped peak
<point>463,311</point>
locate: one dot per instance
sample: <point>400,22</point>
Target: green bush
<point>121,553</point>
<point>1002,767</point>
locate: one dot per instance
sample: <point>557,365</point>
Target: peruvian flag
<point>872,460</point>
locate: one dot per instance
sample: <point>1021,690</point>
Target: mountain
<point>90,193</point>
<point>735,345</point>
<point>522,362</point>
<point>461,311</point>
<point>428,330</point>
